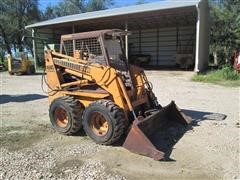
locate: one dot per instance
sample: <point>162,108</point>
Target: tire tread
<point>118,119</point>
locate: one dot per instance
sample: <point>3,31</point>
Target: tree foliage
<point>69,7</point>
<point>95,5</point>
<point>14,16</point>
<point>225,29</point>
<point>140,2</point>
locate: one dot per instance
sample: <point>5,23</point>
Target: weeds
<point>226,75</point>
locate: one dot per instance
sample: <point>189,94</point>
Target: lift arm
<point>105,77</point>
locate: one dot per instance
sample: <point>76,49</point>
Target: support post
<point>74,42</point>
<point>140,41</point>
<point>34,48</point>
<point>202,37</point>
<point>157,45</point>
<point>196,69</point>
<point>126,39</point>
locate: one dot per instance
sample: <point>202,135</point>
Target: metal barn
<point>169,32</point>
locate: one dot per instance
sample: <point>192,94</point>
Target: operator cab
<point>16,61</point>
<point>104,47</point>
<point>114,47</point>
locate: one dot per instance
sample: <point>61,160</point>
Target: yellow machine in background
<point>20,65</point>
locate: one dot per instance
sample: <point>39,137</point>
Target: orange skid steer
<point>92,86</point>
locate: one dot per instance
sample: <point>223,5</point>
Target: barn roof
<point>169,5</point>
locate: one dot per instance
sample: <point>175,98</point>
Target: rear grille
<point>70,65</point>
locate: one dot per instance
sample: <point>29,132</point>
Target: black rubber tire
<point>74,111</point>
<point>114,117</point>
<point>31,70</point>
<point>19,73</point>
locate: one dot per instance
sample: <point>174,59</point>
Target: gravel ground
<point>30,149</point>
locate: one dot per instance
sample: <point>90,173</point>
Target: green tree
<point>2,47</point>
<point>225,29</point>
<point>69,7</point>
<point>140,2</point>
<point>95,5</point>
<point>49,13</point>
<point>14,16</point>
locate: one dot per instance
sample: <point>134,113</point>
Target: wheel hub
<point>61,117</point>
<point>98,124</point>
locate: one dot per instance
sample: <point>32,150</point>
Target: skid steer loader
<point>91,85</point>
<point>19,64</point>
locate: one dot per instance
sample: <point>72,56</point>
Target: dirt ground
<point>30,149</point>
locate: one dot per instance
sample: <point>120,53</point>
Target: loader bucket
<point>154,135</point>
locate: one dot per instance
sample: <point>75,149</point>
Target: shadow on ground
<point>168,130</point>
<point>35,74</point>
<point>176,131</point>
<point>20,98</point>
<point>198,116</point>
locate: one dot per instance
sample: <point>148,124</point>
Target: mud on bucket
<point>156,134</point>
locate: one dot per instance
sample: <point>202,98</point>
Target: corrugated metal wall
<point>161,43</point>
<point>50,37</point>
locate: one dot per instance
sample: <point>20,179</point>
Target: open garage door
<point>163,45</point>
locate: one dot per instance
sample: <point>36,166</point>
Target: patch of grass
<point>226,76</point>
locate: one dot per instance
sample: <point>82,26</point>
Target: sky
<point>117,3</point>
